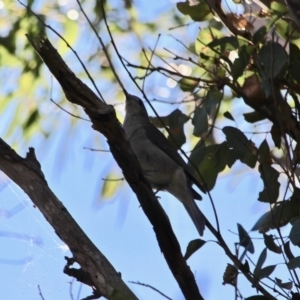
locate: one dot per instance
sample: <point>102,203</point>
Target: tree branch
<point>104,120</point>
<point>27,174</point>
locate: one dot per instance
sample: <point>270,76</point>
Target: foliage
<point>251,59</point>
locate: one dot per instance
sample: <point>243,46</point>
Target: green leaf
<point>294,263</point>
<point>245,239</point>
<point>210,161</point>
<point>269,175</point>
<point>206,36</point>
<point>188,85</point>
<point>192,247</point>
<point>34,116</point>
<point>278,8</point>
<point>287,29</point>
<point>199,12</point>
<point>261,260</point>
<point>241,145</point>
<point>228,115</point>
<point>270,244</point>
<point>239,65</point>
<point>200,121</point>
<point>253,117</point>
<point>273,59</point>
<point>295,233</point>
<point>260,35</point>
<point>212,99</point>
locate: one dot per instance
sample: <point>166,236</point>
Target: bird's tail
<point>196,215</point>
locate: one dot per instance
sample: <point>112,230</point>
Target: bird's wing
<point>158,139</point>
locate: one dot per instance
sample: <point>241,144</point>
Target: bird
<point>162,165</point>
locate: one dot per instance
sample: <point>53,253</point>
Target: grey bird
<point>163,166</point>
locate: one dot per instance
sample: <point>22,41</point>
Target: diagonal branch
<point>27,174</point>
<point>104,120</point>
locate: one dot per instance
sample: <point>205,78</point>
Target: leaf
<point>210,161</point>
<point>264,153</point>
<point>269,176</point>
<point>276,133</point>
<point>270,244</point>
<point>200,121</point>
<point>175,122</point>
<point>294,263</point>
<point>260,35</point>
<point>285,285</point>
<point>273,59</point>
<point>245,239</point>
<point>253,117</point>
<point>212,99</point>
<point>241,145</point>
<point>228,115</point>
<point>199,12</point>
<point>261,260</point>
<point>34,116</point>
<point>188,85</point>
<point>230,274</point>
<point>265,272</point>
<point>287,250</point>
<point>239,65</point>
<point>192,247</point>
<point>295,233</point>
<point>277,217</point>
<point>206,36</point>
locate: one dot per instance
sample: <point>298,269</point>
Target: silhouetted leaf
<point>253,117</point>
<point>265,272</point>
<point>200,121</point>
<point>277,217</point>
<point>285,285</point>
<point>269,176</point>
<point>192,247</point>
<point>295,233</point>
<point>241,145</point>
<point>245,239</point>
<point>261,260</point>
<point>271,245</point>
<point>212,99</point>
<point>294,263</point>
<point>276,132</point>
<point>264,153</point>
<point>175,122</point>
<point>228,115</point>
<point>240,63</point>
<point>260,35</point>
<point>272,58</point>
<point>31,119</point>
<point>230,274</point>
<point>287,250</point>
<point>210,161</point>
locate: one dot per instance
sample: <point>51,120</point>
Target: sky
<point>32,256</point>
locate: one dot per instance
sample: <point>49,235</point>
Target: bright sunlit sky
<point>32,255</point>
